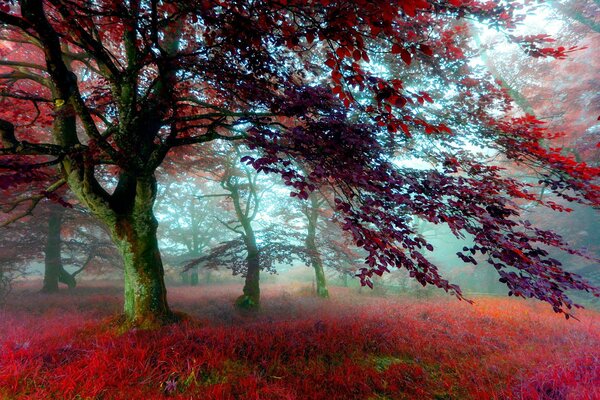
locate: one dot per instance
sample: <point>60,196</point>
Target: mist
<point>299,200</point>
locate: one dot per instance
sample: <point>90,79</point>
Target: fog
<point>253,208</point>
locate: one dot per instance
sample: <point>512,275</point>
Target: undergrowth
<point>297,347</point>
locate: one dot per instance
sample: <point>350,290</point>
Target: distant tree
<point>536,88</point>
<point>240,184</point>
<point>59,237</point>
<point>312,214</point>
<point>122,84</point>
<point>188,225</point>
<point>86,246</point>
<point>17,245</point>
<point>276,245</point>
<point>325,244</point>
<point>54,271</point>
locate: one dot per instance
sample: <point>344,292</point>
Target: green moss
<point>245,302</point>
<point>383,362</point>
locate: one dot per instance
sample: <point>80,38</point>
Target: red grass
<point>352,347</point>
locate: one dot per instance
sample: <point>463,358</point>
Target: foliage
<point>276,245</point>
<point>330,93</point>
<point>351,347</point>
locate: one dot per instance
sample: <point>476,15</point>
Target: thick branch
<point>24,96</point>
<point>91,45</point>
<point>22,64</point>
<point>18,75</point>
<point>7,19</point>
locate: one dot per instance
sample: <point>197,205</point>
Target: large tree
<point>123,83</point>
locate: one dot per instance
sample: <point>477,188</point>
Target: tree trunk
<point>194,277</point>
<point>134,233</point>
<point>317,264</point>
<point>52,260</point>
<point>185,278</point>
<point>66,278</point>
<point>54,271</point>
<point>311,246</point>
<point>250,300</point>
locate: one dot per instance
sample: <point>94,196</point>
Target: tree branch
<point>34,202</point>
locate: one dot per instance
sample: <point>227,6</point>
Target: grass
<point>297,347</point>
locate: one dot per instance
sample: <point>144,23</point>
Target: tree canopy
<point>352,95</point>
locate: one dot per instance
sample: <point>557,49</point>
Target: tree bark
<point>194,277</point>
<point>250,299</point>
<point>185,278</point>
<point>134,233</point>
<point>311,246</point>
<point>52,260</point>
<point>67,278</point>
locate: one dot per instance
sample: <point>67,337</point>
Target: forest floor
<point>353,346</point>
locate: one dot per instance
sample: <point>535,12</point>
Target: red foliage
<point>385,348</point>
<point>293,79</point>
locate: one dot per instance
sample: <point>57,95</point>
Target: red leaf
<point>406,57</point>
<point>426,50</point>
<point>404,128</point>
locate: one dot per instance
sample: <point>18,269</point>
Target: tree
<point>187,219</point>
<point>325,244</point>
<point>537,86</point>
<point>242,188</point>
<point>54,270</point>
<point>312,214</point>
<point>296,80</point>
<point>17,244</point>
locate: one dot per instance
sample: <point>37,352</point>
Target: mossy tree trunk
<point>134,232</point>
<point>311,246</point>
<point>250,299</point>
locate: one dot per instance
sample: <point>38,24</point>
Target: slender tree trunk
<point>66,278</point>
<point>311,246</point>
<point>3,285</point>
<point>317,264</point>
<point>52,260</point>
<point>185,278</point>
<point>54,271</point>
<point>194,277</point>
<point>250,300</point>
